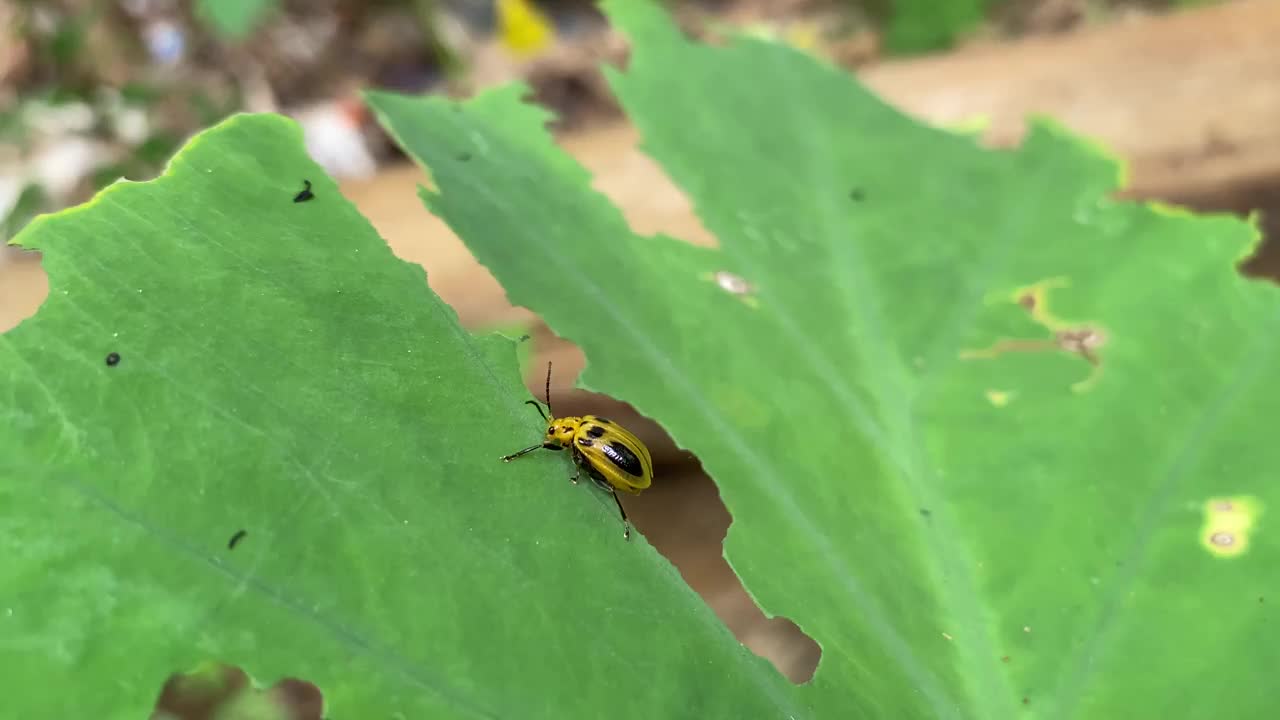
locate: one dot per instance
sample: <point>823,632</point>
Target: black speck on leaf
<point>306,193</point>
<point>113,359</point>
<point>235,539</point>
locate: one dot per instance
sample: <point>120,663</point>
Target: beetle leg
<point>626,526</point>
<point>514,455</point>
<point>531,448</point>
<point>576,472</point>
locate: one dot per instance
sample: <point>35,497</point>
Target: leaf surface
<point>998,442</point>
<point>293,468</point>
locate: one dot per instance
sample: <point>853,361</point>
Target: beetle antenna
<point>539,408</point>
<point>549,388</point>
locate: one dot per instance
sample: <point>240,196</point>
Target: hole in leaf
<point>637,185</point>
<point>23,286</point>
<point>214,691</point>
<point>682,516</point>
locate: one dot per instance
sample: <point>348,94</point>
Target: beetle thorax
<point>562,430</point>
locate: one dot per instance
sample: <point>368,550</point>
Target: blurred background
<point>1187,92</point>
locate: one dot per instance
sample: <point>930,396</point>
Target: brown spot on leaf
<point>1078,338</point>
<point>1081,341</point>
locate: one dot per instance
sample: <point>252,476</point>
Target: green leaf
<point>920,26</point>
<point>280,372</point>
<point>235,18</point>
<point>1015,533</point>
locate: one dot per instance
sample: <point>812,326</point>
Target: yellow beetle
<point>613,458</point>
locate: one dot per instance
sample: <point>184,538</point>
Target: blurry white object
<point>332,132</point>
<point>129,122</point>
<point>53,120</point>
<point>10,191</point>
<point>59,165</point>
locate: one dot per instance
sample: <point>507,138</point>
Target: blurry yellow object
<point>524,28</point>
<point>803,36</point>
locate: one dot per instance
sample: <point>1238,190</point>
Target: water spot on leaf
<point>1227,523</point>
<point>736,285</point>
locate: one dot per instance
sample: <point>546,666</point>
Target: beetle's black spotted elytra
<point>622,456</point>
